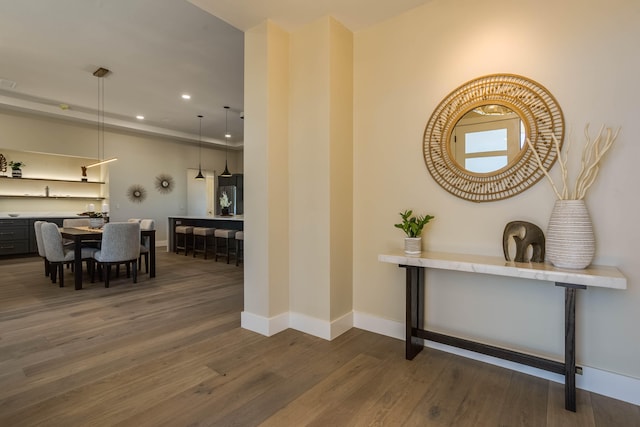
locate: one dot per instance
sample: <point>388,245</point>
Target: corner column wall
<point>266,176</point>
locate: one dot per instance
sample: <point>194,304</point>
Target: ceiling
<point>156,51</point>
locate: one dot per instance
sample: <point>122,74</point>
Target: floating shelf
<point>53,180</point>
<point>6,196</point>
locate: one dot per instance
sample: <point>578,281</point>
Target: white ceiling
<point>156,50</point>
<point>292,14</point>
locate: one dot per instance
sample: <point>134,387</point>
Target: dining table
<point>83,234</point>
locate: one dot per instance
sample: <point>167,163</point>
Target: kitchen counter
<point>233,222</point>
<point>17,235</point>
<point>40,215</point>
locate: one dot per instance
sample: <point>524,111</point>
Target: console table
<point>571,280</point>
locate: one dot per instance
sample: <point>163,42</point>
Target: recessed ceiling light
<point>186,96</point>
<point>140,117</point>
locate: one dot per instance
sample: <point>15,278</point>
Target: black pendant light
<point>99,73</point>
<point>227,135</point>
<point>200,176</point>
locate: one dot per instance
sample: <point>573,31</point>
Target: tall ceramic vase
<point>570,239</point>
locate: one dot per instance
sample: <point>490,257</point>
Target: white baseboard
<point>266,326</point>
<point>310,325</point>
<point>341,325</point>
<point>595,380</point>
<point>300,322</point>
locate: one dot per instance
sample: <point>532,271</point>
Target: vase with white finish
<point>570,241</point>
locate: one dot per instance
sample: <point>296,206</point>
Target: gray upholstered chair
<point>145,224</point>
<point>58,255</point>
<point>120,245</point>
<point>37,226</point>
<point>75,222</point>
<point>79,222</point>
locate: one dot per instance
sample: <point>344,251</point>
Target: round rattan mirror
<point>506,164</point>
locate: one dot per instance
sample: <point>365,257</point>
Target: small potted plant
<point>225,203</point>
<point>16,171</point>
<point>412,227</point>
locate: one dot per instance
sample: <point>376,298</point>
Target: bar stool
<point>204,233</point>
<point>239,247</point>
<point>184,231</point>
<point>222,235</point>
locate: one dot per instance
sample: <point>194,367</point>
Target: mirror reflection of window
<point>486,140</point>
<point>485,151</point>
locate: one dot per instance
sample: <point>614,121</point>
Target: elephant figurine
<point>524,234</point>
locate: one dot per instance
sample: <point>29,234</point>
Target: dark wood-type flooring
<point>169,351</point>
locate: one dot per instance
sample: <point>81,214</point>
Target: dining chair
<point>144,244</point>
<point>120,245</point>
<point>145,224</point>
<point>58,255</point>
<point>79,222</point>
<point>37,226</point>
<point>75,222</point>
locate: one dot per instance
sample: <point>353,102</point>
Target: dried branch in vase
<point>592,154</point>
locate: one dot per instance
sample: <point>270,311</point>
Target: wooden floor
<point>169,351</point>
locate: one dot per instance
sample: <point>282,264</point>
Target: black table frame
<point>414,334</point>
<point>79,235</point>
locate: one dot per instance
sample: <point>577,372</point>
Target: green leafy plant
<point>16,165</point>
<point>412,225</point>
<point>95,214</point>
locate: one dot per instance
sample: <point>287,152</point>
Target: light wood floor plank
<point>169,351</point>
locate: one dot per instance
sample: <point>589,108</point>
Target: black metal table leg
<point>77,261</point>
<point>414,310</point>
<point>570,344</point>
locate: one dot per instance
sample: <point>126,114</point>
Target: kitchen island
<point>232,222</point>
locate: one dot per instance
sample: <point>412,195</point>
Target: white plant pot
<point>412,245</point>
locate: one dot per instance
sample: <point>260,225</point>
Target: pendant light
<point>227,135</point>
<point>200,176</point>
<point>99,73</point>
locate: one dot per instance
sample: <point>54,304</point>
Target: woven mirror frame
<point>542,119</point>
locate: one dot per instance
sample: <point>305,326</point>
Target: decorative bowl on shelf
<point>13,215</point>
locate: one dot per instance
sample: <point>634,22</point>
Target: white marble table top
<point>596,276</point>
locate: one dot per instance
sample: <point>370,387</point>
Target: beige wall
<point>309,130</point>
<point>299,96</point>
<point>267,172</point>
<point>321,163</point>
<point>140,159</point>
<point>586,54</point>
<point>341,166</point>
